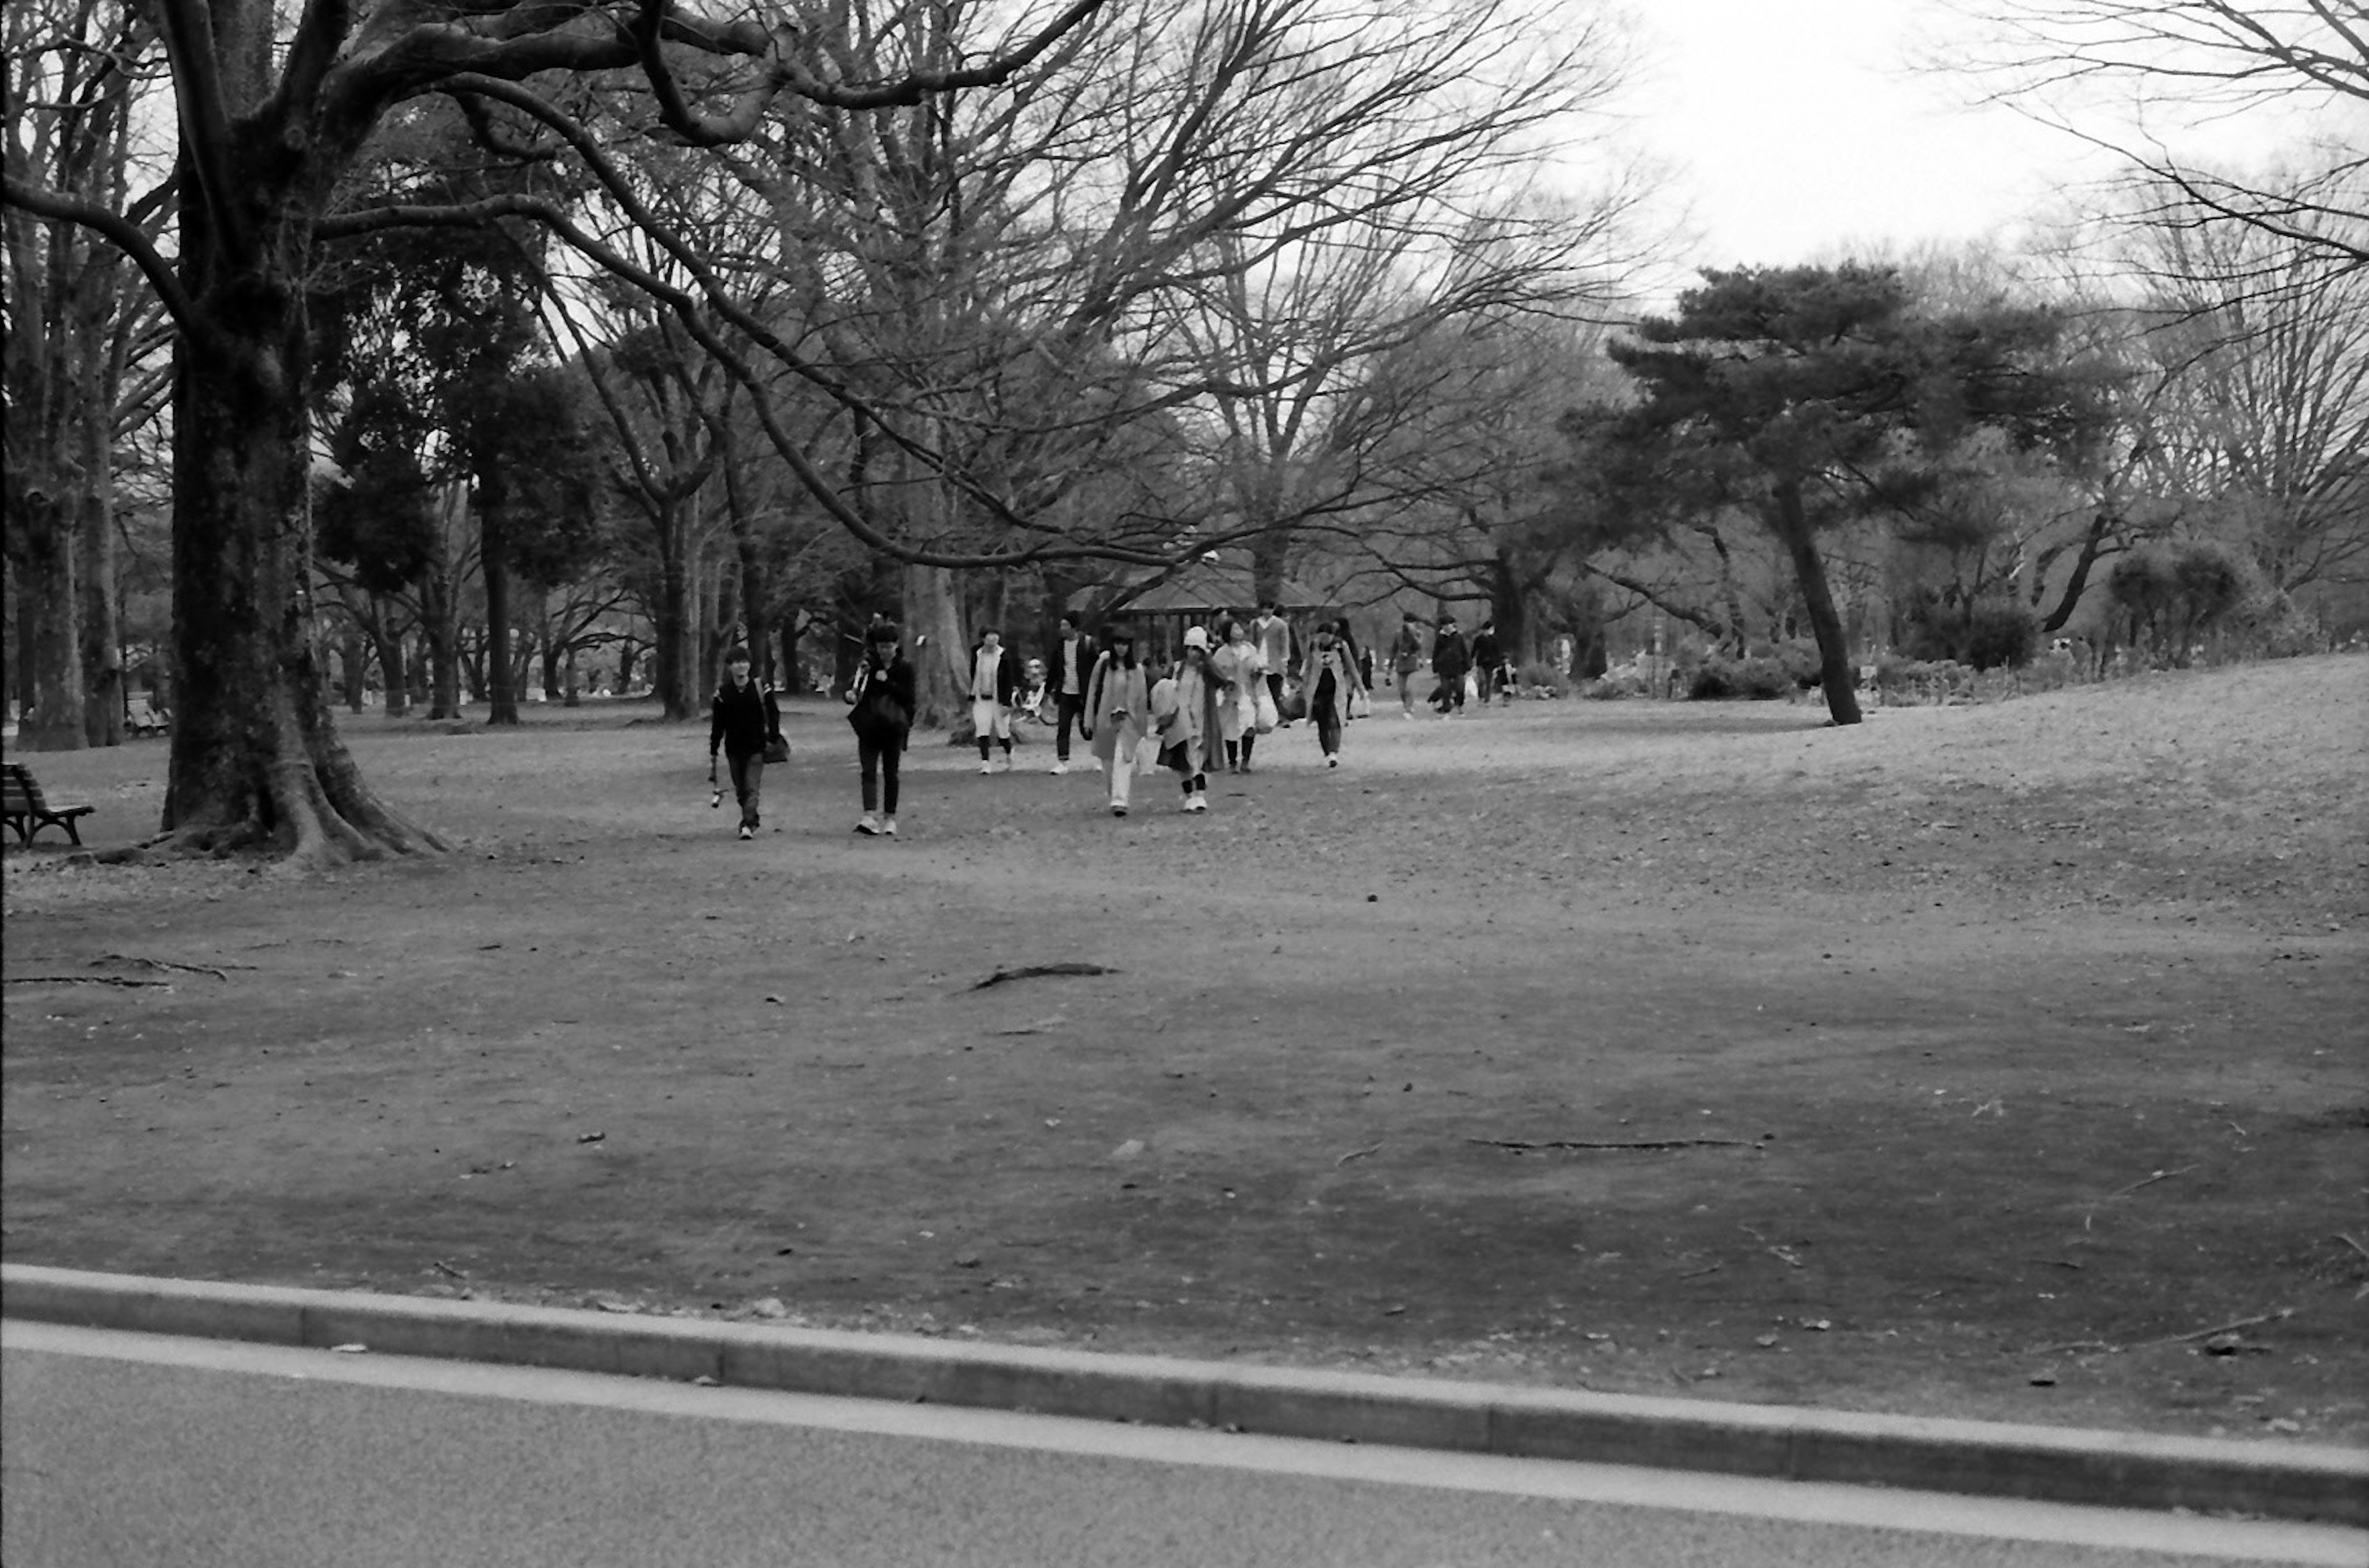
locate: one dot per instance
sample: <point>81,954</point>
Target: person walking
<point>1185,717</point>
<point>1331,679</point>
<point>1487,657</point>
<point>1450,660</point>
<point>1406,658</point>
<point>1066,675</point>
<point>994,686</point>
<point>880,707</point>
<point>1241,665</point>
<point>1271,636</point>
<point>1118,715</point>
<point>743,720</point>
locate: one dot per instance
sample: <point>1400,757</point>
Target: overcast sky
<point>1801,132</point>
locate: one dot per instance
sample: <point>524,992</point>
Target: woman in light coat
<point>1185,718</point>
<point>1241,663</point>
<point>1118,715</point>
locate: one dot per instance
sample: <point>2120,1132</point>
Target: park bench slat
<point>26,809</point>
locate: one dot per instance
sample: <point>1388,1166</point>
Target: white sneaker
<point>1185,805</point>
<point>868,826</point>
<point>1059,767</point>
<point>1198,803</point>
<point>1331,762</point>
<point>747,831</point>
<point>986,767</point>
<point>888,827</point>
<point>1118,810</point>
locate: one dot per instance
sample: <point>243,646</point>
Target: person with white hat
<point>1185,717</point>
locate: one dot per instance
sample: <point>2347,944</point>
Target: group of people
<point>1137,715</point>
<point>1483,658</point>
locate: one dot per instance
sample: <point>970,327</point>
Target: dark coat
<point>881,702</point>
<point>1449,658</point>
<point>742,718</point>
<point>1054,660</point>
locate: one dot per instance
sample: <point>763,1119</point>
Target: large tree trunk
<point>49,595</point>
<point>933,638</point>
<point>439,609</point>
<point>671,659</point>
<point>350,666</point>
<point>501,681</point>
<point>394,674</point>
<point>1835,672</point>
<point>255,758</point>
<point>102,650</point>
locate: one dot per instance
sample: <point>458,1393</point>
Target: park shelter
<point>1204,591</point>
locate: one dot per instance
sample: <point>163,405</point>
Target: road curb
<point>2317,1482</point>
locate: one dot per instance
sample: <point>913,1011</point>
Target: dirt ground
<point>1972,1061</point>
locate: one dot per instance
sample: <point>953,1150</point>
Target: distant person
<point>1118,715</point>
<point>1186,721</point>
<point>1244,667</point>
<point>742,721</point>
<point>1487,657</point>
<point>880,707</point>
<point>1451,659</point>
<point>1066,674</point>
<point>1406,658</point>
<point>1030,703</point>
<point>1330,678</point>
<point>1272,634</point>
<point>994,686</point>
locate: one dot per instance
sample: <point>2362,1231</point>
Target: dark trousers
<point>747,782</point>
<point>878,759</point>
<point>1275,690</point>
<point>1324,711</point>
<point>1068,710</point>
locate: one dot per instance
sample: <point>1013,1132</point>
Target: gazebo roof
<point>1199,587</point>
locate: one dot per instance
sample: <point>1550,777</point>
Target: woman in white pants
<point>1118,706</point>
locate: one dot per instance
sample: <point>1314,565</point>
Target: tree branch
<point>126,237</point>
<point>205,120</point>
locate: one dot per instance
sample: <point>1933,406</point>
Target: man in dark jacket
<point>1449,661</point>
<point>1067,668</point>
<point>1488,660</point>
<point>880,707</point>
<point>742,720</point>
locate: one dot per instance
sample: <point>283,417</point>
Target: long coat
<point>1169,717</point>
<point>1241,664</point>
<point>1113,686</point>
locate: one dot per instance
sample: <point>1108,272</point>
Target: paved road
<point>128,1451</point>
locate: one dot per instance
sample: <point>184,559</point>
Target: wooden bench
<point>23,807</point>
<point>142,717</point>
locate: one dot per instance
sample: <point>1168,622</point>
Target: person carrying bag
<point>880,707</point>
<point>745,723</point>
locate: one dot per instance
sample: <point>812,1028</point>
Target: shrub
<point>1539,679</point>
<point>1987,634</point>
<point>1800,662</point>
<point>1627,680</point>
<point>1758,680</point>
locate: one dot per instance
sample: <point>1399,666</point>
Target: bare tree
<point>2083,65</point>
<point>78,332</point>
<point>2262,433</point>
<point>274,120</point>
